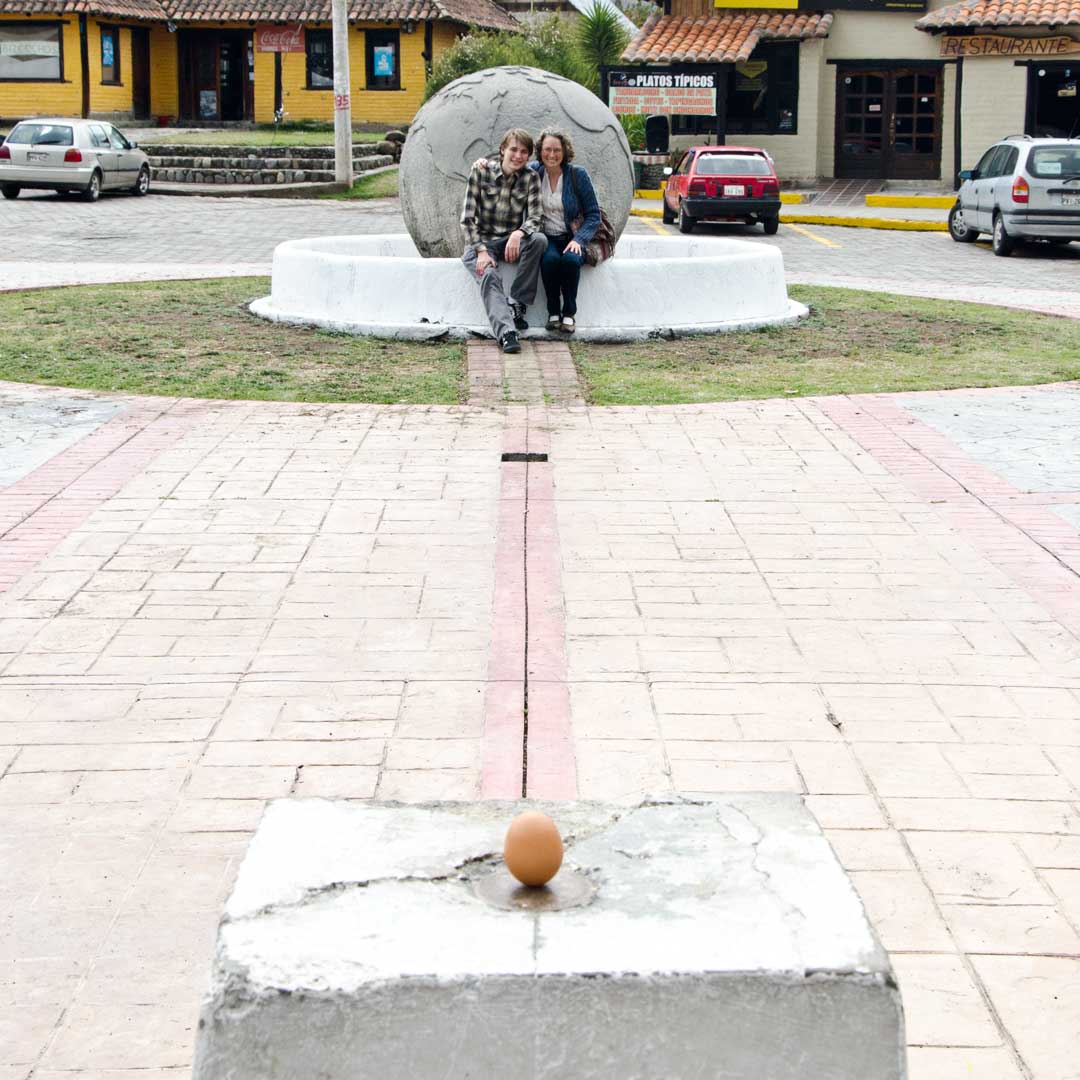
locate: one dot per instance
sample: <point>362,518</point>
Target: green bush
<point>634,127</point>
<point>571,48</point>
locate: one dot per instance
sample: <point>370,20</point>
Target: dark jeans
<point>561,271</point>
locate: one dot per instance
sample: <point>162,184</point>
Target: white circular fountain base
<point>654,287</point>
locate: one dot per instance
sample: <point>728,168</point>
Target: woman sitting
<point>571,218</point>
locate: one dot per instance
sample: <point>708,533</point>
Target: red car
<point>723,183</point>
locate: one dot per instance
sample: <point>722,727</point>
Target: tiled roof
<point>119,9</point>
<point>483,13</point>
<point>720,39</point>
<point>1003,13</point>
<point>469,12</point>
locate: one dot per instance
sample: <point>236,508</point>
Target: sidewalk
<point>871,601</point>
<point>916,219</point>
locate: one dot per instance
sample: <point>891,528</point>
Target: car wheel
<point>686,222</point>
<point>142,185</point>
<point>1000,240</point>
<point>92,190</point>
<point>11,191</point>
<point>666,212</point>
<point>959,229</point>
<point>771,225</point>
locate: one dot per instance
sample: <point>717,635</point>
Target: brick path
<point>837,597</point>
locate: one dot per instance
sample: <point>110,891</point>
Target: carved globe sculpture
<point>467,120</point>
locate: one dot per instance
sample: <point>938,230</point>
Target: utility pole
<point>343,160</point>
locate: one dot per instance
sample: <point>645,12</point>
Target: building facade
<point>221,61</point>
<point>872,89</point>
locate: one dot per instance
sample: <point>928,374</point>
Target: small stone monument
<point>466,120</point>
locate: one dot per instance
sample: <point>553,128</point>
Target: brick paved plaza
<point>871,601</point>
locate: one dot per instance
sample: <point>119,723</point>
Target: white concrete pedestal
<point>724,940</point>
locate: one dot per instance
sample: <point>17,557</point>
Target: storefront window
<point>320,59</point>
<point>31,52</point>
<point>110,54</point>
<point>762,96</point>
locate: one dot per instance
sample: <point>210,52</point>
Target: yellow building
<point>219,61</point>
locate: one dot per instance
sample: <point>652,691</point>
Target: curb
<point>904,224</point>
<point>913,202</point>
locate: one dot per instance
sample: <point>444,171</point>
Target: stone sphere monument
<point>467,119</point>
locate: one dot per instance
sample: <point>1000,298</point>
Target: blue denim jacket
<point>586,207</point>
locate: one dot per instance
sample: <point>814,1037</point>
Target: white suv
<point>1022,189</point>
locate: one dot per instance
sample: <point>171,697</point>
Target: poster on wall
<point>383,61</point>
<point>645,91</point>
<point>279,39</point>
<point>107,58</point>
<point>207,104</point>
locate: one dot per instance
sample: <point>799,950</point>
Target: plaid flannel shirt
<point>497,204</point>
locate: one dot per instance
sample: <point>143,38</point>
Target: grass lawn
<point>853,343</point>
<point>380,185</point>
<point>196,339</point>
<point>261,136</point>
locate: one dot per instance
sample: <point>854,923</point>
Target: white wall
<point>995,94</point>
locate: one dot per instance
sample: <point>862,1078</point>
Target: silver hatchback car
<point>87,156</point>
<point>1023,188</point>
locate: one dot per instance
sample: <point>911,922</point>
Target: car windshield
<point>733,165</point>
<point>42,135</point>
<point>1051,162</point>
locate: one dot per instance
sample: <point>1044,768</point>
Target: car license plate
<point>734,189</point>
<point>1070,200</point>
<point>36,155</point>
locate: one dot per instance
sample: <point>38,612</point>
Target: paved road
<point>124,238</point>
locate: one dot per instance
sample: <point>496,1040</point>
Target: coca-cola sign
<point>279,39</point>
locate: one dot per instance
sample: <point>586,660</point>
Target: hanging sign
<point>1000,45</point>
<point>279,39</point>
<point>661,90</point>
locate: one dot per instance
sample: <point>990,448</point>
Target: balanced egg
<point>533,850</point>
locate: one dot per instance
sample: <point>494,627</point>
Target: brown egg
<point>533,850</point>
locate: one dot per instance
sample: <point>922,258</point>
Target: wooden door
<point>888,123</point>
<point>140,72</point>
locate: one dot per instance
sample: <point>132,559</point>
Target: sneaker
<point>509,342</point>
<point>553,323</point>
<point>518,311</point>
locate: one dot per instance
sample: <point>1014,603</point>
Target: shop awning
<point>720,39</point>
<point>998,13</point>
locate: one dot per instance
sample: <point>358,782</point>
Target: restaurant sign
<point>279,39</point>
<point>661,90</point>
<point>1000,45</point>
<point>832,5</point>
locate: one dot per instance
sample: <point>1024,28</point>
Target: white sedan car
<point>87,156</point>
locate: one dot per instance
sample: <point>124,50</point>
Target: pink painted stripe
<point>528,540</point>
<point>1034,546</point>
<point>40,510</point>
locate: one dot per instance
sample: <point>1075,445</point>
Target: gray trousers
<point>523,288</point>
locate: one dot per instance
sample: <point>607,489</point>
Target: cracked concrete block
<point>722,940</point>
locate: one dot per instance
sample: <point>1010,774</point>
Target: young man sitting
<point>502,220</point>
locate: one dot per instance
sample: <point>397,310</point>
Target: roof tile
<point>484,13</point>
<point>974,13</point>
<point>721,39</point>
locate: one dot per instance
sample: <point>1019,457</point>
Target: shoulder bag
<point>602,245</point>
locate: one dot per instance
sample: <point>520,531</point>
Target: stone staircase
<point>255,165</point>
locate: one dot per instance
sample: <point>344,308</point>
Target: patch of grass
<point>197,339</point>
<point>853,343</point>
<point>380,185</point>
<point>267,135</point>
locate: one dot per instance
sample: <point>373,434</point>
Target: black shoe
<point>518,311</point>
<point>509,342</point>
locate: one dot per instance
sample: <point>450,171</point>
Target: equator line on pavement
<point>527,749</point>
